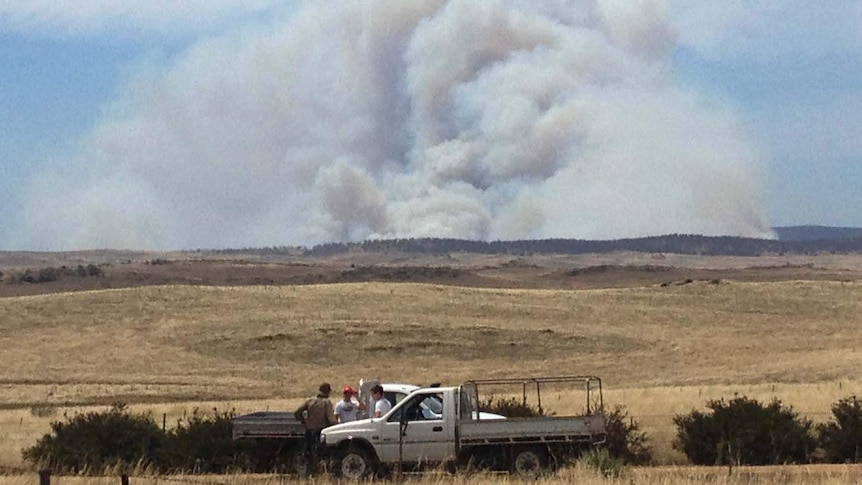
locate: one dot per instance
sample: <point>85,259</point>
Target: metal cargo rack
<point>592,385</point>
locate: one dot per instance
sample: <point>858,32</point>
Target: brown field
<point>664,332</point>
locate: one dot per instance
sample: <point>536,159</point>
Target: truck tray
<point>587,429</point>
<point>267,424</point>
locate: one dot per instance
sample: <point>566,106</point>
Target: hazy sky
<point>235,123</point>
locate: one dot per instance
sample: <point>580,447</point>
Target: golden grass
<point>660,350</point>
<point>791,475</point>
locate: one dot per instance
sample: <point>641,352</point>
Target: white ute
<point>280,432</point>
<point>442,426</point>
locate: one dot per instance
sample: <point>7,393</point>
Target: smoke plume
<point>358,119</point>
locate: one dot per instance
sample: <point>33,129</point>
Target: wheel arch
<point>357,443</point>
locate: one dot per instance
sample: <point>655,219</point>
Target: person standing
<point>315,414</point>
<point>347,409</point>
<point>381,404</point>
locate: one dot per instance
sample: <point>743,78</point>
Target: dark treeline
<point>674,243</point>
<point>814,233</point>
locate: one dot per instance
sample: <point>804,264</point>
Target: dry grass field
<point>796,475</point>
<point>661,349</point>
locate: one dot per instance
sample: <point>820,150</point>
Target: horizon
<point>804,239</point>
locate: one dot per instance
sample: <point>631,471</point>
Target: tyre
<point>299,463</point>
<point>354,463</point>
<point>529,462</point>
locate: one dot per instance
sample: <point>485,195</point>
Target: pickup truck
<point>456,435</point>
<point>279,438</point>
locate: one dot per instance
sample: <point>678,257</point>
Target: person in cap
<point>315,414</point>
<point>347,409</point>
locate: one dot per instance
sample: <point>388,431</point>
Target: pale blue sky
<point>787,74</point>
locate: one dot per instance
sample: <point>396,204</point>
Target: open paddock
<point>660,350</point>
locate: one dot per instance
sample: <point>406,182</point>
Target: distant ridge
<point>815,233</point>
<point>789,240</point>
<point>673,243</point>
<point>795,239</point>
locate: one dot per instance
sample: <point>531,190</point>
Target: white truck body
<point>283,425</point>
<point>409,434</point>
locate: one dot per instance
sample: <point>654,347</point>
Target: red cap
<point>348,390</point>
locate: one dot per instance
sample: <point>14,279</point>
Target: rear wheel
<point>354,463</point>
<point>529,462</point>
<point>299,463</point>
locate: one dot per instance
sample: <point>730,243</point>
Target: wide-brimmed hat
<point>325,388</point>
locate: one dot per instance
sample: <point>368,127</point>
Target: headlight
<point>322,439</point>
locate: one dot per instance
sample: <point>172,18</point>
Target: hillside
<point>173,343</point>
<point>59,273</point>
<point>550,264</point>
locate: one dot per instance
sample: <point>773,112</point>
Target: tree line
<point>673,243</point>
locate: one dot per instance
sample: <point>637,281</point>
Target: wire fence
<point>46,477</point>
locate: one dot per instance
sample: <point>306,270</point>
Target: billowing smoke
<point>363,119</point>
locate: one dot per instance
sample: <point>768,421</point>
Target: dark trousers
<point>312,445</point>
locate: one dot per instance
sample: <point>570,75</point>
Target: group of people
<point>318,413</point>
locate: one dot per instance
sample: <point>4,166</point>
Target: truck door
<point>429,434</point>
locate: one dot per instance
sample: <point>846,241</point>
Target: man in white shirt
<point>347,409</point>
<point>381,404</point>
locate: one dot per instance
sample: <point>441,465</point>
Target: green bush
<point>203,443</point>
<point>744,432</point>
<point>94,441</point>
<point>510,407</point>
<point>625,441</point>
<point>602,461</point>
<point>200,443</point>
<point>841,438</point>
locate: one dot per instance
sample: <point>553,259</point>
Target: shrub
<point>601,460</point>
<point>625,441</point>
<point>48,274</point>
<point>841,439</point>
<point>93,270</point>
<point>203,444</point>
<point>744,432</point>
<point>94,441</point>
<point>28,276</point>
<point>510,407</point>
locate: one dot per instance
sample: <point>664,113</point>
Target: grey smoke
<point>384,118</point>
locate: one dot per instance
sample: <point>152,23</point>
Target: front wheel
<point>529,462</point>
<point>354,463</point>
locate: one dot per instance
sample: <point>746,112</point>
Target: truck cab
<point>395,393</point>
<point>419,429</point>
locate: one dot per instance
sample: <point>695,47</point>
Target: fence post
<point>124,479</point>
<point>45,477</point>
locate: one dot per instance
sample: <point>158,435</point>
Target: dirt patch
<point>415,341</point>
